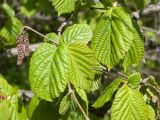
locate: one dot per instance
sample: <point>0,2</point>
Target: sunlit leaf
<point>129,104</point>
<point>136,51</point>
<point>107,93</point>
<point>134,80</point>
<point>113,36</point>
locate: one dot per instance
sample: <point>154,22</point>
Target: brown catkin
<point>26,43</point>
<point>20,49</point>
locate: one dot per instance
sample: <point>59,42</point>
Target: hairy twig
<point>31,29</point>
<point>67,20</point>
<point>70,90</point>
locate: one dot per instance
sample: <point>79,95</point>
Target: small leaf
<point>77,32</point>
<point>151,113</point>
<point>129,105</point>
<point>134,80</point>
<point>136,51</point>
<point>42,110</point>
<point>64,6</point>
<point>113,36</point>
<point>107,93</point>
<point>64,105</point>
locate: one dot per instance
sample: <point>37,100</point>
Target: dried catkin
<point>26,43</point>
<point>20,49</point>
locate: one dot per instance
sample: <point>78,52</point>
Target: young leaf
<point>48,71</point>
<point>77,32</point>
<point>113,36</point>
<point>42,110</point>
<point>64,6</point>
<point>134,80</point>
<point>136,51</point>
<point>129,104</point>
<point>107,93</point>
<point>64,105</point>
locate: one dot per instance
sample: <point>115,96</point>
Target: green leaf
<point>31,7</point>
<point>16,108</point>
<point>51,67</point>
<point>8,10</point>
<point>4,111</point>
<point>107,93</point>
<point>136,51</point>
<point>77,32</point>
<point>83,96</point>
<point>42,110</point>
<point>96,83</point>
<point>113,36</point>
<point>64,6</point>
<point>134,80</point>
<point>5,88</point>
<point>129,105</point>
<point>10,31</point>
<point>48,71</point>
<point>140,4</point>
<point>82,65</point>
<point>64,105</point>
<point>11,103</point>
<point>151,113</point>
<point>52,36</point>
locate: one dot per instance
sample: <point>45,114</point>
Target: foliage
<point>70,66</point>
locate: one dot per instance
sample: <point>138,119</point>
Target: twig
<point>76,101</point>
<point>64,24</point>
<point>31,29</point>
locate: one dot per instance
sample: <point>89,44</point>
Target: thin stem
<point>31,29</point>
<point>76,101</point>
